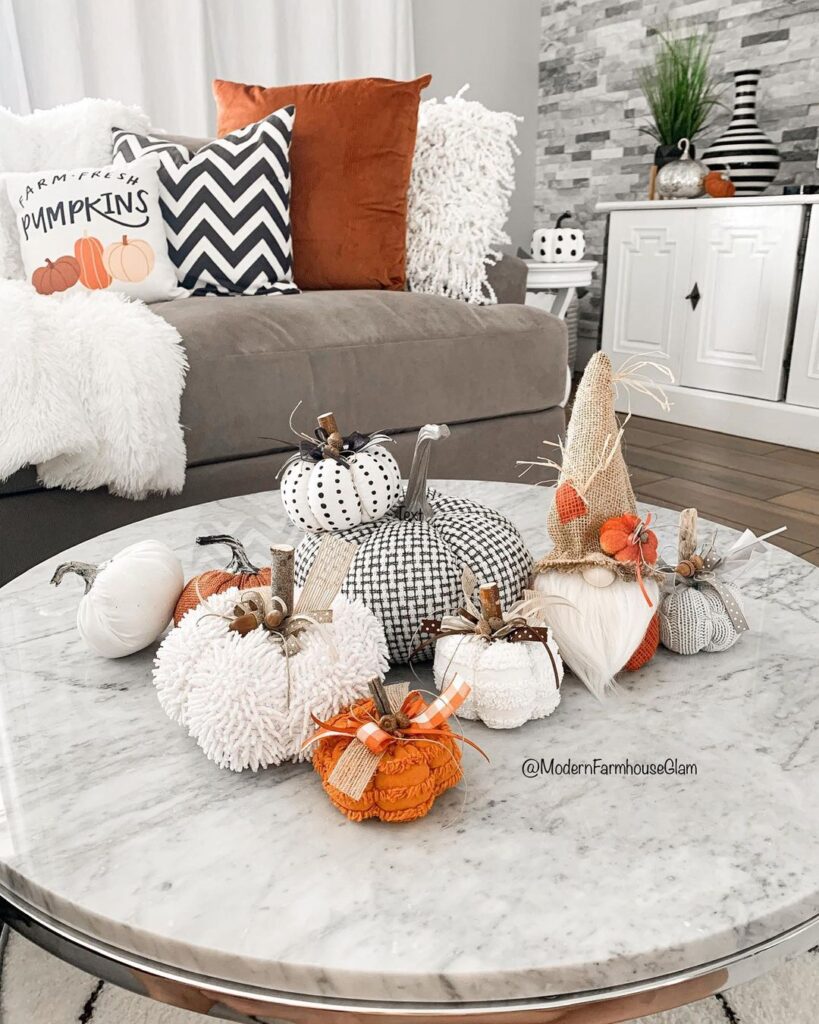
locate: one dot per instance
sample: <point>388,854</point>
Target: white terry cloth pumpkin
<point>408,564</point>
<point>128,600</point>
<point>233,694</point>
<point>336,482</point>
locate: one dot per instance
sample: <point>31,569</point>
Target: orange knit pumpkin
<point>647,648</point>
<point>410,775</point>
<point>240,572</point>
<point>88,252</point>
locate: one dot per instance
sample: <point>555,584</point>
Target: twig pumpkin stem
<point>87,570</point>
<point>239,561</point>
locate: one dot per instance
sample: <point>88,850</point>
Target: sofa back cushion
<point>351,157</point>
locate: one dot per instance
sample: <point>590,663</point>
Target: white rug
<point>35,988</point>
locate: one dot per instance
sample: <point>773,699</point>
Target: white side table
<point>560,279</point>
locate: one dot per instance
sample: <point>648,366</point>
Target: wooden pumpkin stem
<point>239,561</point>
<point>87,570</point>
<point>489,596</point>
<point>687,542</point>
<point>327,422</point>
<point>282,559</point>
<point>415,500</point>
<point>380,699</point>
<point>335,442</point>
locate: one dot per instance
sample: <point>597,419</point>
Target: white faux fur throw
<point>463,173</point>
<point>90,388</point>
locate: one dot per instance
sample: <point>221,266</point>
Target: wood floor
<point>730,480</point>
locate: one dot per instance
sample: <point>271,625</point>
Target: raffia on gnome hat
<point>593,464</point>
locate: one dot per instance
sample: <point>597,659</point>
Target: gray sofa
<point>379,360</point>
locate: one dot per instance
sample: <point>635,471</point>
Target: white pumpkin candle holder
<point>408,564</point>
<point>245,670</point>
<point>335,482</point>
<point>510,661</point>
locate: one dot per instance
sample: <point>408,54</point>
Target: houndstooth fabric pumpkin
<point>694,619</point>
<point>409,569</point>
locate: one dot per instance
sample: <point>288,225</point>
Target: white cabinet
<point>803,380</point>
<point>707,291</point>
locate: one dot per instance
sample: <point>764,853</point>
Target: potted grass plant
<point>681,92</point>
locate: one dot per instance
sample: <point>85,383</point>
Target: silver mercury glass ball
<point>683,178</point>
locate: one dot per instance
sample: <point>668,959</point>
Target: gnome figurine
<point>604,554</point>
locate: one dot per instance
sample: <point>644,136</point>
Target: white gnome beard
<point>598,638</point>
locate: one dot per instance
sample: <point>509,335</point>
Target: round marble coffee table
<point>524,895</point>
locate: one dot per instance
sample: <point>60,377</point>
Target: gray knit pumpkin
<point>694,619</point>
<point>409,563</point>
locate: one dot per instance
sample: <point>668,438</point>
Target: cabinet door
<point>744,269</point>
<point>803,381</point>
<point>648,270</point>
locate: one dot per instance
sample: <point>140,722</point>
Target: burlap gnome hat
<point>594,471</point>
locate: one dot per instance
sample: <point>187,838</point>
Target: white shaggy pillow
<point>463,173</point>
<point>70,136</point>
<point>231,691</point>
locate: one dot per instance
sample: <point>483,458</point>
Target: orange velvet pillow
<point>350,160</point>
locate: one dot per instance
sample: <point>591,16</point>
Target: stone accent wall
<point>591,107</point>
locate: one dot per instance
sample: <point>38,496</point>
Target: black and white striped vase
<point>743,150</point>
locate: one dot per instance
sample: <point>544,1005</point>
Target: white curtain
<point>162,54</point>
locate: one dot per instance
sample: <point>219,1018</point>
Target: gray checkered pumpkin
<point>409,563</point>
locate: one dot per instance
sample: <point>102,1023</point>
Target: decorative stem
<point>334,442</point>
<point>239,561</point>
<point>489,595</point>
<point>87,570</point>
<point>282,558</point>
<point>687,543</point>
<point>379,696</point>
<point>415,503</point>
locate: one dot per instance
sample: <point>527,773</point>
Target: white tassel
<point>601,628</point>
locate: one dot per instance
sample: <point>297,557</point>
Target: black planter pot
<point>665,154</point>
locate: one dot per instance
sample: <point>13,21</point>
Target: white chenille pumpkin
<point>128,600</point>
<point>336,482</point>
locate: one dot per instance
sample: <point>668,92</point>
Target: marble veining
<point>113,822</point>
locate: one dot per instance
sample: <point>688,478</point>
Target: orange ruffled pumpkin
<point>410,775</point>
<point>619,537</point>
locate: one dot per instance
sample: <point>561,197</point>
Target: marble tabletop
<point>113,823</point>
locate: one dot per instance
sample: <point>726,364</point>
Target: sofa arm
<point>508,278</point>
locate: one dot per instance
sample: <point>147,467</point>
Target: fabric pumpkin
<point>337,482</point>
<point>409,776</point>
<point>240,572</point>
<point>694,619</point>
<point>128,600</point>
<point>131,259</point>
<point>558,244</point>
<point>248,704</point>
<point>88,252</point>
<point>56,276</point>
<point>409,563</point>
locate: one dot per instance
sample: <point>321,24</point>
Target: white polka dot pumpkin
<point>337,482</point>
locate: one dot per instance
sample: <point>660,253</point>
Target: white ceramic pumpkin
<point>128,600</point>
<point>558,244</point>
<point>337,482</point>
<point>511,683</point>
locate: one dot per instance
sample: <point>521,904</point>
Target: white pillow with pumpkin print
<point>97,228</point>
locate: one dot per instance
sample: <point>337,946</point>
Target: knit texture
<point>694,619</point>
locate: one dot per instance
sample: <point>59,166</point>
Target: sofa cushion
<point>378,359</point>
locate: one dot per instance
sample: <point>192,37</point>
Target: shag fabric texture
<point>694,619</point>
<point>511,683</point>
<point>463,174</point>
<point>601,632</point>
<point>90,392</point>
<point>74,135</point>
<point>36,988</point>
<point>235,695</point>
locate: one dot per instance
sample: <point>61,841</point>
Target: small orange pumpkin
<point>89,254</point>
<point>56,276</point>
<point>240,572</point>
<point>628,539</point>
<point>130,260</point>
<point>569,504</point>
<point>410,775</point>
<point>647,648</point>
<point>719,185</point>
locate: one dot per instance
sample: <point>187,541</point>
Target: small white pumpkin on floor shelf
<point>245,669</point>
<point>510,660</point>
<point>335,482</point>
<point>558,244</point>
<point>129,600</point>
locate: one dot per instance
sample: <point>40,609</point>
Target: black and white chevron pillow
<point>226,207</point>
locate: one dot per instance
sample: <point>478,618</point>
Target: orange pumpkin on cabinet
<point>89,254</point>
<point>56,276</point>
<point>409,776</point>
<point>131,259</point>
<point>240,572</point>
<point>719,185</point>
